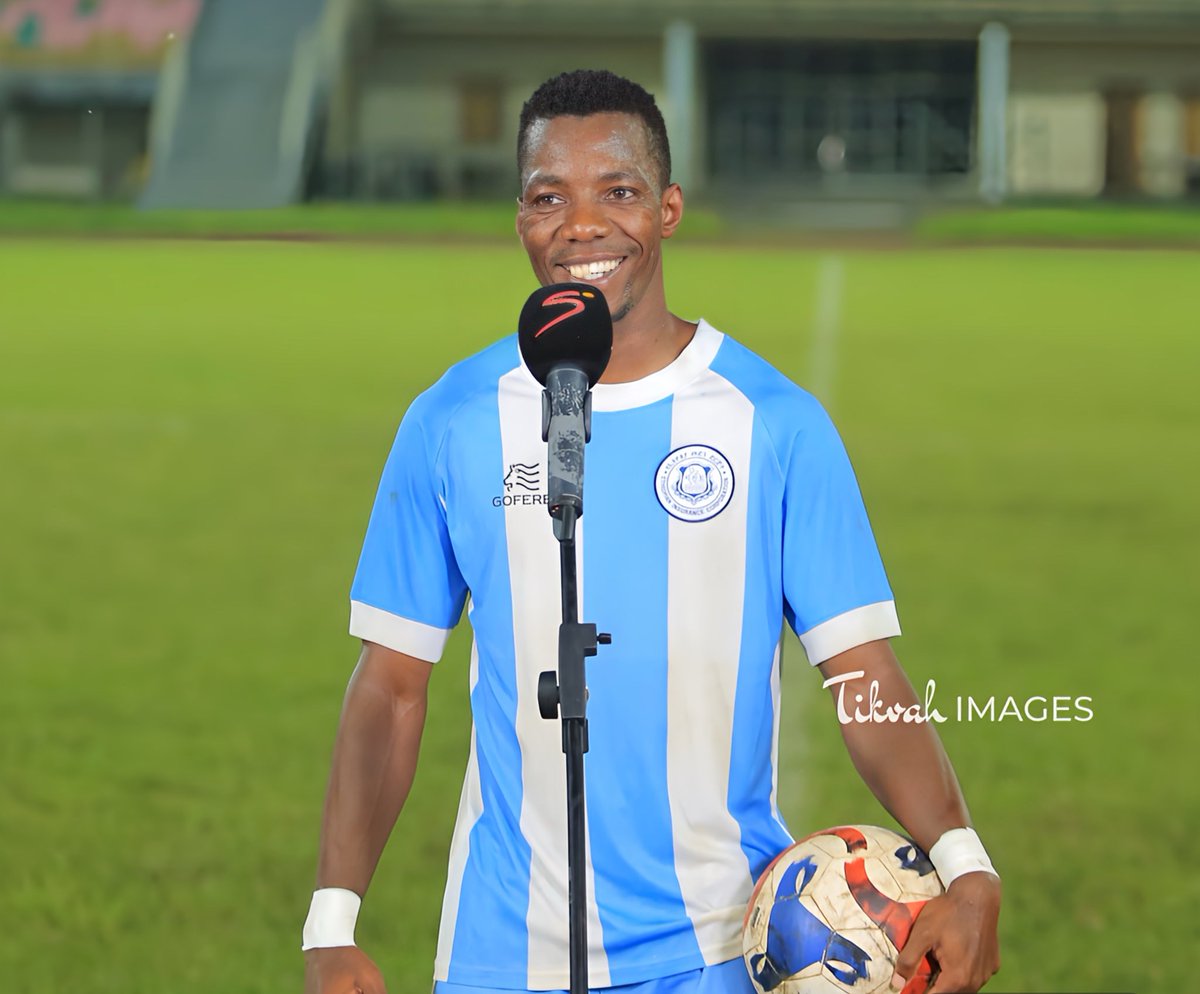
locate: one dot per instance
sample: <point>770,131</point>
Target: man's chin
<point>621,312</point>
<point>621,307</point>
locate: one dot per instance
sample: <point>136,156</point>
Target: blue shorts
<point>725,978</point>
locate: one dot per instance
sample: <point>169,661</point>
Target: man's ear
<point>672,209</point>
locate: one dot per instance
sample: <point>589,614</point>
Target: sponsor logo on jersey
<point>522,485</point>
<point>522,476</point>
<point>694,483</point>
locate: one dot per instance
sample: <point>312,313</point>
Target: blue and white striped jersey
<point>719,501</point>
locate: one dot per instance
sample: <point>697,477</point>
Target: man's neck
<point>649,344</point>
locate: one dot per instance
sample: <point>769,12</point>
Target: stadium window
<point>53,136</point>
<point>1123,141</point>
<point>480,102</point>
<point>901,109</point>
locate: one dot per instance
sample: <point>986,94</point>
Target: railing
<point>315,67</point>
<point>164,111</point>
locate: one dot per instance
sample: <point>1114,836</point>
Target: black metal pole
<point>563,695</point>
<point>574,743</point>
<point>570,582</point>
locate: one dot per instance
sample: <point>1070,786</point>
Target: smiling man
<point>601,218</point>
<point>721,504</point>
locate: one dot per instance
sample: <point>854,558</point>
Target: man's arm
<point>907,769</point>
<point>374,761</point>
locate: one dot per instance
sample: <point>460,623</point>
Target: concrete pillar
<point>993,111</point>
<point>1162,152</point>
<point>10,145</point>
<point>93,149</point>
<point>680,77</point>
<point>341,138</point>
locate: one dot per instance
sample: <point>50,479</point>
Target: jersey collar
<point>687,366</point>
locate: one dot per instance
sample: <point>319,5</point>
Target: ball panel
<point>882,962</point>
<point>836,902</point>
<point>828,845</point>
<point>797,943</point>
<point>880,874</point>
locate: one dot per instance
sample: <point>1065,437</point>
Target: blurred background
<point>869,104</point>
<point>228,229</point>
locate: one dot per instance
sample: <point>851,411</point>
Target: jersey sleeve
<point>835,589</point>
<point>408,592</point>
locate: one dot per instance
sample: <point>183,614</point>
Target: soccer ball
<point>832,911</point>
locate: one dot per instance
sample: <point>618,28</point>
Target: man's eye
<point>546,199</point>
<point>623,193</point>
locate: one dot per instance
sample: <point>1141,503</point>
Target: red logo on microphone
<point>569,298</point>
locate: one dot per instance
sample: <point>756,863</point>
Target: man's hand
<point>341,970</point>
<point>959,930</point>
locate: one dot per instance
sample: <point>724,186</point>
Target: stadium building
<point>78,79</point>
<point>278,100</point>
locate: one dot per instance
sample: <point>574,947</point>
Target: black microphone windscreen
<point>566,323</point>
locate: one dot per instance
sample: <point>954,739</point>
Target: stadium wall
<point>428,95</point>
<point>435,115</point>
<point>76,84</point>
<point>1065,96</point>
<point>1098,109</point>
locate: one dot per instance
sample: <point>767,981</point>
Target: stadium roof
<point>755,16</point>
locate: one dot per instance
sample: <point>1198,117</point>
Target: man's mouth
<point>593,272</point>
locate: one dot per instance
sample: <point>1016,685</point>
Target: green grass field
<point>190,437</point>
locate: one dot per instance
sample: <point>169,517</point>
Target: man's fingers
<point>917,982</point>
<point>952,983</point>
<point>958,973</point>
<point>919,943</point>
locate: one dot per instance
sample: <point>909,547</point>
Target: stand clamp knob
<point>547,694</point>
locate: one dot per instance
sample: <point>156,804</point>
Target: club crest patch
<point>694,483</point>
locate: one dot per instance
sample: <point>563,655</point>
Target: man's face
<point>591,210</point>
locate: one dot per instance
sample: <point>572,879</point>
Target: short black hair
<point>583,92</point>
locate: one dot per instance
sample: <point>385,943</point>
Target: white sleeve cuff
<point>413,638</point>
<point>845,631</point>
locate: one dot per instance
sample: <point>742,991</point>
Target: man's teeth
<point>593,270</point>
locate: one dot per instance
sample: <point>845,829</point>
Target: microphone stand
<point>566,404</point>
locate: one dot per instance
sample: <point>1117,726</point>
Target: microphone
<point>565,337</point>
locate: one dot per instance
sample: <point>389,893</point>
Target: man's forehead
<point>611,134</point>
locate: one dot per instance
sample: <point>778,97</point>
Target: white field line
<point>804,702</point>
<point>827,317</point>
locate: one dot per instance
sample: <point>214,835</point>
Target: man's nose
<point>585,220</point>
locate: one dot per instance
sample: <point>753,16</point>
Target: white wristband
<point>959,851</point>
<point>331,918</point>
